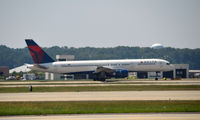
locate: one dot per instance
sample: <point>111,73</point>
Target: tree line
<point>16,57</point>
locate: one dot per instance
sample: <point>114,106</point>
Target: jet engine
<point>120,73</point>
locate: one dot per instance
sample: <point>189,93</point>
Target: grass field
<point>99,88</point>
<point>43,108</point>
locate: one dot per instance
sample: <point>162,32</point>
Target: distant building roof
<point>157,46</point>
<point>194,71</point>
<point>4,70</point>
<point>22,68</point>
<point>65,57</point>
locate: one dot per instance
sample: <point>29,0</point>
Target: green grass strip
<point>99,88</point>
<point>43,108</point>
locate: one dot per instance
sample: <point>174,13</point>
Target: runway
<point>132,116</point>
<point>101,96</point>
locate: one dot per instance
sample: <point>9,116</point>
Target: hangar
<point>194,73</point>
<point>22,68</point>
<point>180,71</point>
<point>4,71</point>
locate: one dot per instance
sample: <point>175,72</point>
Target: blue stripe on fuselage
<point>84,72</point>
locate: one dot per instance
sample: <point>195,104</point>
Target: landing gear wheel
<point>100,77</point>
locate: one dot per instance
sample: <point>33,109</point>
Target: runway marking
<point>101,96</point>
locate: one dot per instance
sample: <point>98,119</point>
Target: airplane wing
<point>104,69</point>
<point>103,72</point>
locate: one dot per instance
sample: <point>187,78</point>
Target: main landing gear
<point>101,76</point>
<point>156,78</point>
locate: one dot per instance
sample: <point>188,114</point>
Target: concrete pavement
<point>101,96</point>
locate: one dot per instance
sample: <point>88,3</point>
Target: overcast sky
<point>100,23</point>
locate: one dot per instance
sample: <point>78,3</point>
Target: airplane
<point>101,69</point>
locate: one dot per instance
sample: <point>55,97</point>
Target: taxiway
<point>101,96</point>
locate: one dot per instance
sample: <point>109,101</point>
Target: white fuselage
<point>91,65</point>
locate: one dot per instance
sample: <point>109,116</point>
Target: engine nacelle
<point>121,73</point>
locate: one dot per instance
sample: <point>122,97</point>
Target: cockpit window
<point>168,63</point>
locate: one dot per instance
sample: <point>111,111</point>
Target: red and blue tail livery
<point>38,55</point>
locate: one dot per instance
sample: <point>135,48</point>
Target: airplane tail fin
<point>38,55</point>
